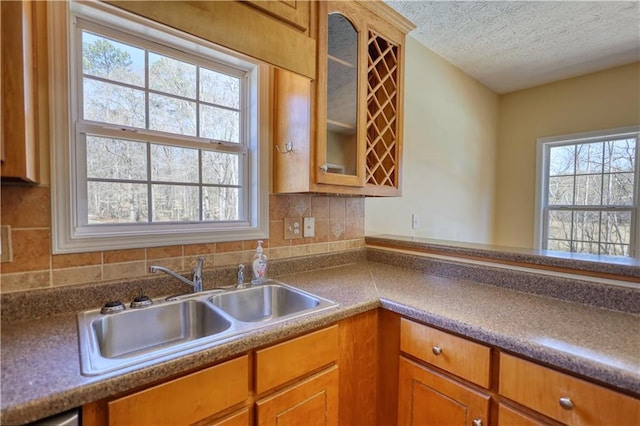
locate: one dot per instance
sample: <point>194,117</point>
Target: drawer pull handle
<point>477,422</point>
<point>437,350</point>
<point>566,403</point>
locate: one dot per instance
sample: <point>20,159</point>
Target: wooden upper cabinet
<point>355,146</point>
<point>294,12</point>
<point>19,91</point>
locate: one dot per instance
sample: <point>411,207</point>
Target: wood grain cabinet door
<point>311,402</point>
<point>426,397</point>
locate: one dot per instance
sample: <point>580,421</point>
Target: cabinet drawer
<point>286,361</point>
<point>508,416</point>
<point>454,354</point>
<point>542,389</point>
<point>201,391</point>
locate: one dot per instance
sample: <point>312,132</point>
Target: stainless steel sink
<point>138,337</point>
<point>138,331</point>
<point>267,302</point>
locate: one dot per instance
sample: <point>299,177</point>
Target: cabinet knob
<point>566,403</point>
<point>437,350</point>
<point>477,422</point>
<point>324,168</point>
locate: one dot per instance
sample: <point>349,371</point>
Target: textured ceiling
<point>512,45</point>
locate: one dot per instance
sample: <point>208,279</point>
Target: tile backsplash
<point>339,225</point>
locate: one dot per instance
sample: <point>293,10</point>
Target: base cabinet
<point>426,397</point>
<point>312,402</point>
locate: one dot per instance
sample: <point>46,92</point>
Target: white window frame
<point>70,233</point>
<point>542,176</point>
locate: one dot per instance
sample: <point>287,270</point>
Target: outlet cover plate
<point>292,228</point>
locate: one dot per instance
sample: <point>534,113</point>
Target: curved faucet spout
<point>197,275</point>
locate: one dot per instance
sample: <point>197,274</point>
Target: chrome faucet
<point>240,282</point>
<point>196,283</point>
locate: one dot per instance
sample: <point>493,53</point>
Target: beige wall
<point>597,101</point>
<point>449,150</point>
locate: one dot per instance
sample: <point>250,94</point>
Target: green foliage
<point>101,58</point>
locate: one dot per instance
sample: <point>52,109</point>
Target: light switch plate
<point>292,228</point>
<point>309,224</point>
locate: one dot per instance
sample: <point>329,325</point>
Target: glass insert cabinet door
<point>340,137</point>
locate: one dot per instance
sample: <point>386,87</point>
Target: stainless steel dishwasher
<point>68,418</point>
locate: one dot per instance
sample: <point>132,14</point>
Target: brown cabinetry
<point>428,396</point>
<point>19,155</point>
<point>354,111</point>
<point>562,397</point>
<point>294,12</point>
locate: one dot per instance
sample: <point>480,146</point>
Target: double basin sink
<point>138,337</point>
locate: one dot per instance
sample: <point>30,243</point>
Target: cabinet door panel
<point>312,402</point>
<point>429,398</point>
<point>201,391</point>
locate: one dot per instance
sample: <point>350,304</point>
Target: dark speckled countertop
<point>41,367</point>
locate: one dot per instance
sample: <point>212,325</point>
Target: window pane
<point>113,60</point>
<point>174,164</point>
<point>559,245</point>
<point>589,156</point>
<point>219,124</point>
<point>116,159</point>
<point>220,168</point>
<point>614,250</point>
<point>585,247</point>
<point>561,191</point>
<point>221,203</point>
<point>172,76</point>
<point>559,225</point>
<point>111,103</point>
<point>586,226</point>
<point>561,160</point>
<point>220,89</point>
<point>616,227</point>
<point>588,190</point>
<point>618,189</point>
<point>172,115</point>
<point>174,203</point>
<point>620,156</point>
<point>110,202</point>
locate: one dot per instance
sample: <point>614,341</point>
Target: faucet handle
<point>240,275</point>
<point>197,271</point>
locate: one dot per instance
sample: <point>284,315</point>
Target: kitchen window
<point>161,143</point>
<point>588,193</point>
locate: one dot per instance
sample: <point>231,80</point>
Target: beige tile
<point>300,206</point>
<point>164,252</point>
<point>24,281</point>
<point>355,244</point>
<point>278,207</point>
<point>320,207</point>
<point>190,262</point>
<point>353,228</point>
<point>176,264</point>
<point>297,251</point>
<point>227,259</point>
<point>113,271</point>
<point>78,275</point>
<point>322,231</point>
<point>319,248</point>
<point>336,208</point>
<point>118,256</point>
<point>229,246</point>
<point>25,206</point>
<point>253,244</point>
<point>276,234</point>
<point>336,229</point>
<point>31,251</point>
<point>199,249</point>
<point>354,207</point>
<point>337,246</point>
<point>279,252</point>
<point>59,261</point>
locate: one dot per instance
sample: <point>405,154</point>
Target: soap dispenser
<point>259,265</point>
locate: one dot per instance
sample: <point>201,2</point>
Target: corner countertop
<point>41,366</point>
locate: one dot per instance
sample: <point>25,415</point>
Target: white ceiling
<point>512,45</point>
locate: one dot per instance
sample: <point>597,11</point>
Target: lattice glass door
<point>382,152</point>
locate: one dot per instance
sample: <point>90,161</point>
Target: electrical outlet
<point>292,228</point>
<point>309,227</point>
